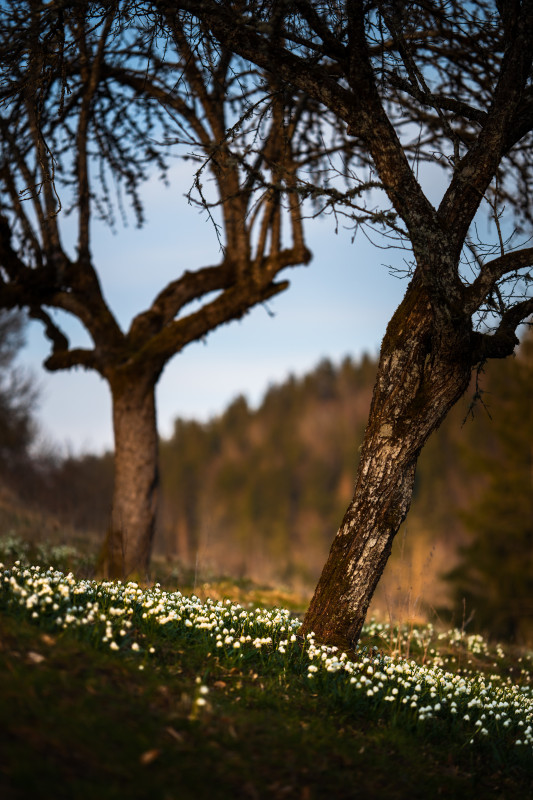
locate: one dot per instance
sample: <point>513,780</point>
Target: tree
<point>494,575</point>
<point>437,82</point>
<point>17,396</point>
<point>85,96</point>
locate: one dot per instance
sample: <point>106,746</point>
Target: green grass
<point>168,710</point>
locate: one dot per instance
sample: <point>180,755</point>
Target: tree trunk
<point>423,370</point>
<point>128,545</point>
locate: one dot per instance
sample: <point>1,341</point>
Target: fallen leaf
<point>46,639</point>
<point>148,757</point>
<point>35,658</point>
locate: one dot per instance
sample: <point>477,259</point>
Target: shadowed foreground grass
<point>113,691</point>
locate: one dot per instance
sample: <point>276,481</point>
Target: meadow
<point>118,690</point>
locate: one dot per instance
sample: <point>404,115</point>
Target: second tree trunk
<point>422,372</point>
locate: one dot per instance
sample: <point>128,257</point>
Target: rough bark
<point>129,539</point>
<point>423,371</point>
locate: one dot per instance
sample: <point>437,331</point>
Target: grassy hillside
<point>116,691</point>
<point>259,493</point>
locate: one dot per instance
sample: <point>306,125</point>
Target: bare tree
<point>434,81</point>
<point>85,97</point>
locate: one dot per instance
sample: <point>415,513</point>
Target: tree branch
<point>503,342</point>
<point>478,167</point>
<point>491,272</point>
<point>317,24</point>
<point>145,86</point>
<point>90,75</point>
<point>241,37</point>
<point>232,304</point>
<point>52,332</point>
<point>443,102</point>
<point>369,122</point>
<point>168,303</point>
<point>66,359</point>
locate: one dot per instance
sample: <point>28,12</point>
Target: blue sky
<point>339,305</point>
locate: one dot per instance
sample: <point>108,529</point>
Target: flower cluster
<point>483,704</point>
<point>119,615</point>
<point>125,617</point>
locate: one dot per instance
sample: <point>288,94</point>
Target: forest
<point>257,494</point>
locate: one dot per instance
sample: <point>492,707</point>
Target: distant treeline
<point>261,492</point>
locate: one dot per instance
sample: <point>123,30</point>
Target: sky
<point>338,305</point>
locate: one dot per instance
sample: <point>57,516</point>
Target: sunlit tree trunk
<point>421,375</point>
<point>129,540</point>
